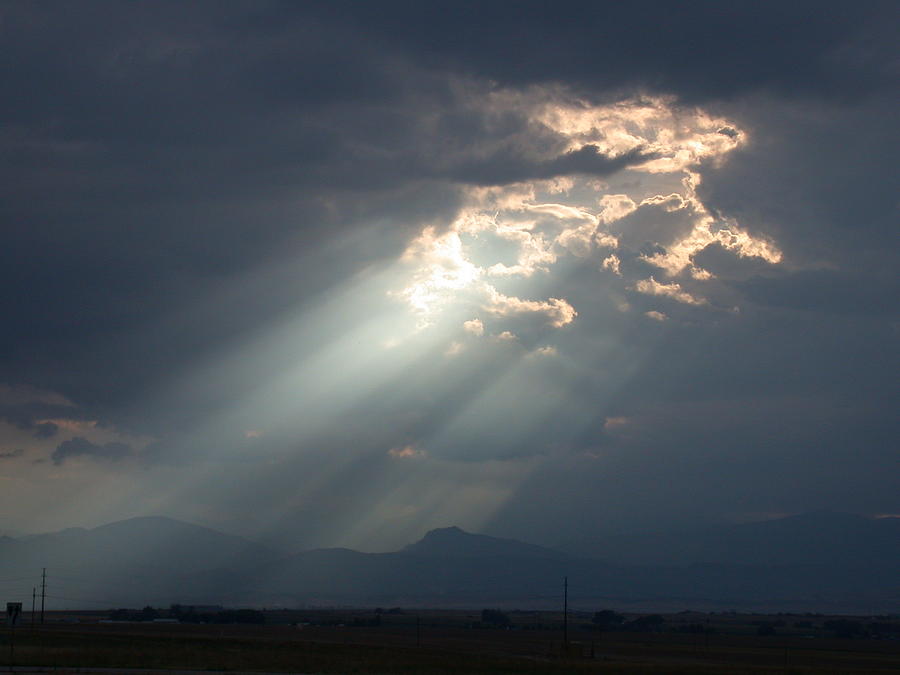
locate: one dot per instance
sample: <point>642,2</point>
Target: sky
<point>335,274</point>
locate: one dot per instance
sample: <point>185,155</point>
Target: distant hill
<point>125,561</point>
<point>141,542</point>
<point>798,563</point>
<point>450,567</point>
<point>837,539</point>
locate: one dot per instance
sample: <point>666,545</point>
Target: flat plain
<point>447,641</point>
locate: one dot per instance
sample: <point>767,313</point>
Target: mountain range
<point>825,562</point>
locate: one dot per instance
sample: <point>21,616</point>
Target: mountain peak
<point>456,542</point>
<point>147,522</point>
<point>451,531</point>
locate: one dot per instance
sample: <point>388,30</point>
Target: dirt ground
<point>426,642</point>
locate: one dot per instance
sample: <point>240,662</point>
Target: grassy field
<point>443,642</point>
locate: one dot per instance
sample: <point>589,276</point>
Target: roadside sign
<point>13,611</point>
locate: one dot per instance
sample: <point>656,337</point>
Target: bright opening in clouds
<point>503,237</point>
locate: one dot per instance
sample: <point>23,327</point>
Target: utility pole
<point>33,595</point>
<point>13,612</point>
<point>43,592</point>
<point>12,640</point>
<point>566,614</point>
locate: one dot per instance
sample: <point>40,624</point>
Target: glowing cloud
<point>658,219</point>
<point>557,312</point>
<point>612,423</point>
<point>615,207</point>
<point>444,270</point>
<point>676,138</point>
<point>475,327</point>
<point>406,452</point>
<point>652,287</point>
<point>612,263</point>
<point>454,349</point>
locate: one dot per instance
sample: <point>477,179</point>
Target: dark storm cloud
<point>699,50</point>
<point>828,193</point>
<point>45,430</point>
<point>153,147</point>
<point>187,152</point>
<point>682,478</point>
<point>152,151</point>
<point>33,416</point>
<point>177,177</point>
<point>505,169</point>
<point>830,291</point>
<point>662,222</point>
<point>81,447</point>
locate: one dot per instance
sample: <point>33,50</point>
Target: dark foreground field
<point>447,642</point>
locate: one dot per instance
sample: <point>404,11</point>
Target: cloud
<point>656,46</point>
<point>29,408</point>
<point>656,316</point>
<point>612,263</point>
<point>443,270</point>
<point>534,227</point>
<point>406,452</point>
<point>248,165</point>
<point>673,290</point>
<point>675,138</point>
<point>557,312</point>
<point>24,393</point>
<point>611,423</point>
<point>11,454</point>
<point>506,168</point>
<point>615,207</point>
<point>680,255</point>
<point>658,219</point>
<point>81,447</point>
<point>474,326</point>
<point>844,292</point>
<point>454,349</point>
